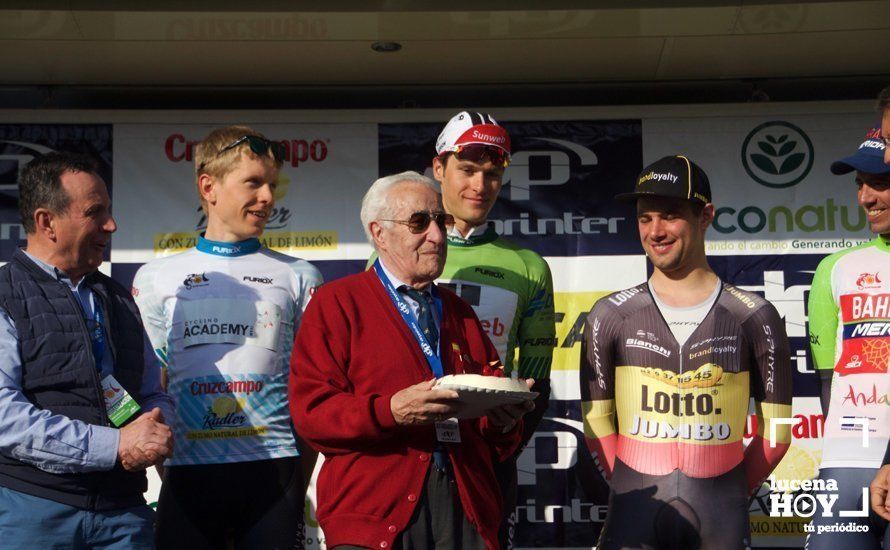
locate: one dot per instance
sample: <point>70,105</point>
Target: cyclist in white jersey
<point>222,317</point>
<point>849,316</point>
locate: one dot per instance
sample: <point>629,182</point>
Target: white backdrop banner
<point>327,170</point>
<point>770,178</point>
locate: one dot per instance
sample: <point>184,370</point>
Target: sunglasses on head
<point>418,222</point>
<point>478,152</point>
<point>259,146</point>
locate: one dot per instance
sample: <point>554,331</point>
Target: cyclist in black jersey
<point>668,370</point>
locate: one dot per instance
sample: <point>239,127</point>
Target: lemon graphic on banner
<point>225,405</point>
<point>281,185</point>
<point>798,464</point>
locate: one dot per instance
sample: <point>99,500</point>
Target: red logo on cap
<point>488,134</point>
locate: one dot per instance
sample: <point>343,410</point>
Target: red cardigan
<point>352,353</point>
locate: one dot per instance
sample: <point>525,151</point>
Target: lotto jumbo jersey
<point>660,406</point>
<point>511,291</point>
<point>223,318</point>
<point>849,317</point>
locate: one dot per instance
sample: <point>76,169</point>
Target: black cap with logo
<point>675,177</point>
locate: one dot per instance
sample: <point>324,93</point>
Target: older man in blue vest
<point>81,412</point>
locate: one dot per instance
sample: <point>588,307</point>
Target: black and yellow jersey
<point>659,406</point>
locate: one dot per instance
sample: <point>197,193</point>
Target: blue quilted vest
<point>59,374</point>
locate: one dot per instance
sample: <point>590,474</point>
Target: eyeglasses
<point>418,222</point>
<point>478,152</point>
<point>259,146</point>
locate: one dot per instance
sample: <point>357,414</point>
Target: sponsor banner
<point>562,499</point>
<point>558,189</point>
<point>21,143</point>
<point>578,283</point>
<point>283,241</point>
<point>734,247</point>
<point>326,171</point>
<point>770,178</point>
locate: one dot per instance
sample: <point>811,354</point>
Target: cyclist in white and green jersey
<point>509,287</point>
<point>849,319</point>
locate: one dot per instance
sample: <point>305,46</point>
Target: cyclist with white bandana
<point>849,312</point>
<point>222,318</point>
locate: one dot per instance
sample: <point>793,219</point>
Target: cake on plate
<point>484,383</point>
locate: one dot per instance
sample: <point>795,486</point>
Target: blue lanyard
<point>411,320</point>
<point>97,335</point>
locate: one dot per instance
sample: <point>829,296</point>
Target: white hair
<point>376,204</point>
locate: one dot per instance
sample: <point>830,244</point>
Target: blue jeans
<point>858,533</point>
<point>32,522</point>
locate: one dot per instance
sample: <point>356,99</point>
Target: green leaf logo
<point>777,154</point>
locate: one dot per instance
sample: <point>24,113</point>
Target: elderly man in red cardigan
<point>396,473</point>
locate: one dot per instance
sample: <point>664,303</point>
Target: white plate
<point>477,401</point>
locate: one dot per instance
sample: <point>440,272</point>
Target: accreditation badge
<point>118,403</point>
<point>448,431</point>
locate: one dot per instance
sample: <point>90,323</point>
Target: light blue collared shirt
<point>53,442</point>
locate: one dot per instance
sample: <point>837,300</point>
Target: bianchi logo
<point>777,154</point>
<point>643,344</point>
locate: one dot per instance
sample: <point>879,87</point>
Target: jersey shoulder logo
<point>747,299</point>
<point>621,297</point>
<point>195,279</point>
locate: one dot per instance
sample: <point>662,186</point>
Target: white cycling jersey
<point>223,316</point>
<point>849,319</point>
